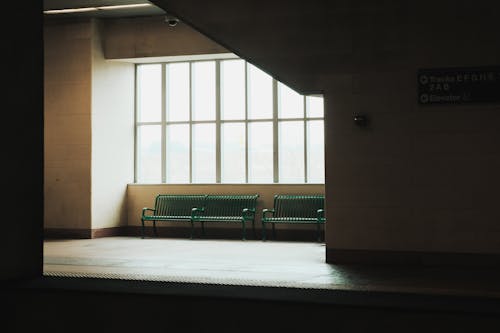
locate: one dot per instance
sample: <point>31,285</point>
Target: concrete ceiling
<point>296,42</point>
<point>152,10</point>
<point>277,38</point>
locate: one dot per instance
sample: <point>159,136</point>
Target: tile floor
<point>251,263</point>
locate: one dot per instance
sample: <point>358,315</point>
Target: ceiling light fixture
<point>124,6</point>
<point>91,9</point>
<point>69,10</point>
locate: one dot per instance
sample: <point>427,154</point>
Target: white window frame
<point>275,120</point>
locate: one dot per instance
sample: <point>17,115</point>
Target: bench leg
<point>274,231</point>
<point>142,229</point>
<point>154,229</point>
<point>318,234</point>
<point>263,231</point>
<point>243,230</point>
<point>203,229</point>
<point>192,227</point>
<point>253,229</point>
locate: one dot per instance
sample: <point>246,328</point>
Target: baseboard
<point>108,232</point>
<point>66,233</point>
<point>378,257</point>
<point>212,232</point>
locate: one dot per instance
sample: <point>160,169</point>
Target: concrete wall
<point>112,156</point>
<point>419,178</point>
<point>67,124</point>
<point>89,131</point>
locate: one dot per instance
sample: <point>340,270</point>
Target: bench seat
<point>219,218</point>
<point>292,219</point>
<point>226,208</point>
<point>171,208</point>
<point>167,217</point>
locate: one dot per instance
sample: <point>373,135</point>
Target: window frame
<point>275,120</point>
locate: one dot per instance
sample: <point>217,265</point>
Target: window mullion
<point>275,133</point>
<point>246,122</point>
<point>163,123</point>
<point>305,137</point>
<point>190,122</point>
<point>136,131</point>
<point>217,124</point>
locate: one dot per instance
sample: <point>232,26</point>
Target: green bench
<point>201,208</point>
<point>226,208</point>
<point>295,209</point>
<point>172,208</point>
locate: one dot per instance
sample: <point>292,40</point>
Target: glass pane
<point>149,154</point>
<point>315,151</point>
<point>177,92</point>
<point>314,106</point>
<point>178,153</point>
<point>203,93</point>
<point>149,93</point>
<point>204,153</point>
<point>233,153</point>
<point>232,89</point>
<point>260,94</point>
<point>290,103</point>
<point>260,152</point>
<point>291,151</point>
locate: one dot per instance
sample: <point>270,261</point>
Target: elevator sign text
<point>459,85</point>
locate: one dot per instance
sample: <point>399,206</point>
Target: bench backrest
<point>229,205</point>
<point>288,205</point>
<point>177,204</point>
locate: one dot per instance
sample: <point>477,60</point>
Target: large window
<point>224,121</point>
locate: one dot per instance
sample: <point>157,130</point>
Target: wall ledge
<point>183,232</point>
<point>386,257</point>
